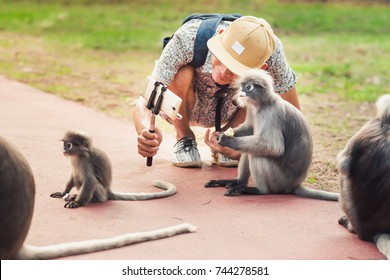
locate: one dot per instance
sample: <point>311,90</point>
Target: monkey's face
<point>255,87</point>
<point>76,144</point>
<point>248,93</point>
<point>75,149</point>
<point>69,148</point>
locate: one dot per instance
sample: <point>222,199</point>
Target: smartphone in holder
<point>170,105</point>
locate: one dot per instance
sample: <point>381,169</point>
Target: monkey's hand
<point>72,204</point>
<point>57,194</point>
<point>224,140</point>
<point>212,142</point>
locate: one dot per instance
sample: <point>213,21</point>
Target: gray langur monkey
<point>17,194</point>
<point>275,142</point>
<point>364,177</point>
<point>92,175</point>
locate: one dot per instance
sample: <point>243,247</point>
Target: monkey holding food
<point>274,140</point>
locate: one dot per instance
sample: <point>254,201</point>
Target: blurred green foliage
<point>334,47</point>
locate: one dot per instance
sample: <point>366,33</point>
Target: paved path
<point>269,227</point>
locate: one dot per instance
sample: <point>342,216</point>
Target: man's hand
<point>149,142</point>
<point>211,140</point>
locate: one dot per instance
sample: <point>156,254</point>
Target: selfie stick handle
<point>149,160</point>
<point>155,111</point>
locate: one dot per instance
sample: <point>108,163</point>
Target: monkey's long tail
<point>382,241</point>
<point>317,194</point>
<point>88,246</point>
<point>169,189</point>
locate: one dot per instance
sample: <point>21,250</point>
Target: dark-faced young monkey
<point>274,140</point>
<point>364,169</point>
<point>92,175</point>
<point>17,193</point>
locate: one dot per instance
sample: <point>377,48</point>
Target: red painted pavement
<point>269,227</point>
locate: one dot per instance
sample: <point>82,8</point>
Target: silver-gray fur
<point>17,185</point>
<point>275,142</point>
<point>364,177</point>
<point>92,175</point>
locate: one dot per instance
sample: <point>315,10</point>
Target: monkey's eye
<point>249,87</point>
<point>68,145</point>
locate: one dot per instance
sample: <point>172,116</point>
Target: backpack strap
<point>206,30</point>
<point>227,17</point>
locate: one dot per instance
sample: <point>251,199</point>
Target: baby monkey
<point>92,175</point>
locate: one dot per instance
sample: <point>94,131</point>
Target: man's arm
<point>292,97</point>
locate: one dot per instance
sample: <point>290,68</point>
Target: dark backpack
<point>206,30</point>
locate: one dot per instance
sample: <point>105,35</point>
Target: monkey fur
<point>92,175</point>
<point>364,178</point>
<point>275,142</point>
<point>17,193</point>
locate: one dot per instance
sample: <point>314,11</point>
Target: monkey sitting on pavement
<point>275,142</point>
<point>364,177</point>
<point>17,194</point>
<point>92,175</point>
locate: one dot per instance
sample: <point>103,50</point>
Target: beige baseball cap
<point>246,44</point>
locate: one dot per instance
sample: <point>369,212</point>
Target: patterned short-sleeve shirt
<point>179,52</point>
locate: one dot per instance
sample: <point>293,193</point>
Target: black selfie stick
<point>155,108</point>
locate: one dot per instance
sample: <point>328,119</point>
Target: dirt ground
<point>333,121</point>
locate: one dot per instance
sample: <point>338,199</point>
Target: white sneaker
<point>186,154</point>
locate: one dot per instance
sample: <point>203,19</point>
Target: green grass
<point>123,25</point>
<point>334,48</point>
<point>355,67</point>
